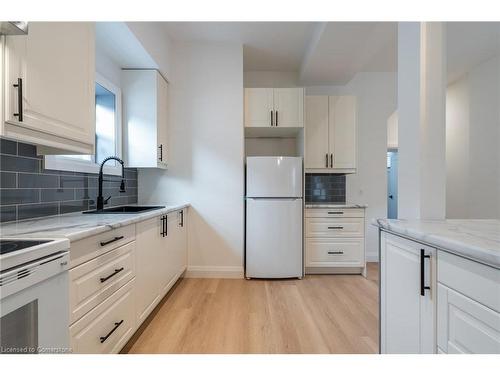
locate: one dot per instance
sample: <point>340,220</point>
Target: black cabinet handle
<point>335,212</point>
<point>331,160</point>
<point>326,160</point>
<point>182,218</point>
<point>335,252</point>
<point>423,287</point>
<point>104,243</point>
<point>336,227</point>
<point>117,271</point>
<point>161,152</point>
<point>104,338</point>
<point>276,118</point>
<point>19,86</point>
<point>271,118</point>
<point>162,226</point>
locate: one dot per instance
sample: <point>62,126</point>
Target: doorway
<point>392,184</point>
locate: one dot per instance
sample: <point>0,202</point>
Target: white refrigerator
<point>273,246</point>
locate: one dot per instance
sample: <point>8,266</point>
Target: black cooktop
<point>8,246</point>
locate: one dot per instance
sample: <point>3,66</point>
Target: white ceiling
<point>470,43</point>
<point>326,53</point>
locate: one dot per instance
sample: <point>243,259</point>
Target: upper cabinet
<point>49,87</point>
<point>331,133</point>
<point>274,107</point>
<point>145,119</point>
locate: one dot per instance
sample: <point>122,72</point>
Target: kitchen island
<point>440,285</point>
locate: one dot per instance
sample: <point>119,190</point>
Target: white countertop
<point>76,226</point>
<point>475,239</point>
<point>334,205</point>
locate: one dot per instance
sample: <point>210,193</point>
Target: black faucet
<point>100,199</point>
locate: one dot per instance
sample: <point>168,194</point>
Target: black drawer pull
<point>335,213</point>
<point>423,287</point>
<point>335,252</point>
<point>182,218</point>
<point>19,86</point>
<point>104,243</point>
<point>104,338</point>
<point>117,271</point>
<point>335,227</point>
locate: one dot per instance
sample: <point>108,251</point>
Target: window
<point>107,134</point>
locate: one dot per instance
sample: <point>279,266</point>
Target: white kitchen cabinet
<point>150,245</point>
<point>468,308</point>
<point>49,87</point>
<point>335,241</point>
<point>331,133</point>
<point>317,147</point>
<point>145,119</point>
<point>274,107</point>
<point>407,268</point>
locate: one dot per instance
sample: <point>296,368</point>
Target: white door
<point>162,120</point>
<point>343,131</point>
<point>259,107</point>
<point>274,176</point>
<point>56,62</point>
<point>466,326</point>
<point>289,107</point>
<point>168,254</point>
<point>273,238</point>
<point>316,132</point>
<point>407,317</point>
<point>148,263</point>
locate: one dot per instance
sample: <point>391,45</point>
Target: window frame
<point>62,163</point>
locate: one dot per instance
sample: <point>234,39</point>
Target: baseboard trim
<point>215,272</point>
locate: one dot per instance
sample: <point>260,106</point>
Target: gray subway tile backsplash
<point>325,188</point>
<point>27,190</point>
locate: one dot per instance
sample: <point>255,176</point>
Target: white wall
<point>155,40</point>
<point>473,143</point>
<point>376,100</point>
<point>106,67</point>
<point>206,155</point>
<point>270,79</point>
<point>392,130</point>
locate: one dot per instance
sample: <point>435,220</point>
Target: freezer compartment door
<point>274,177</point>
<point>274,238</point>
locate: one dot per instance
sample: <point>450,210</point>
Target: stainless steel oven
<point>34,305</point>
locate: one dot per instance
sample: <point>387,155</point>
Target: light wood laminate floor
<point>319,314</point>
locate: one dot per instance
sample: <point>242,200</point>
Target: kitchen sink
<point>124,210</point>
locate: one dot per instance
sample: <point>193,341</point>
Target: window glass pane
<point>105,105</point>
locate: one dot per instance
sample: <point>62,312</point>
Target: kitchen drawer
<point>466,326</point>
<point>322,252</point>
<point>91,247</point>
<point>108,327</point>
<point>341,227</point>
<point>94,281</point>
<point>473,279</point>
<point>335,212</point>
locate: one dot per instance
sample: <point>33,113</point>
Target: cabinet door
<point>258,107</point>
<point>407,317</point>
<point>162,120</point>
<point>289,107</point>
<point>342,134</point>
<point>181,244</point>
<point>56,62</point>
<point>466,326</point>
<point>316,132</point>
<point>148,266</point>
<point>167,255</point>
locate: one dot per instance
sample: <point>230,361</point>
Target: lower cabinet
<point>113,293</point>
<point>468,311</point>
<point>432,301</point>
<point>407,296</point>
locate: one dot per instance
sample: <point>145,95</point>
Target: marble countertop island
<point>76,226</point>
<point>474,239</point>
